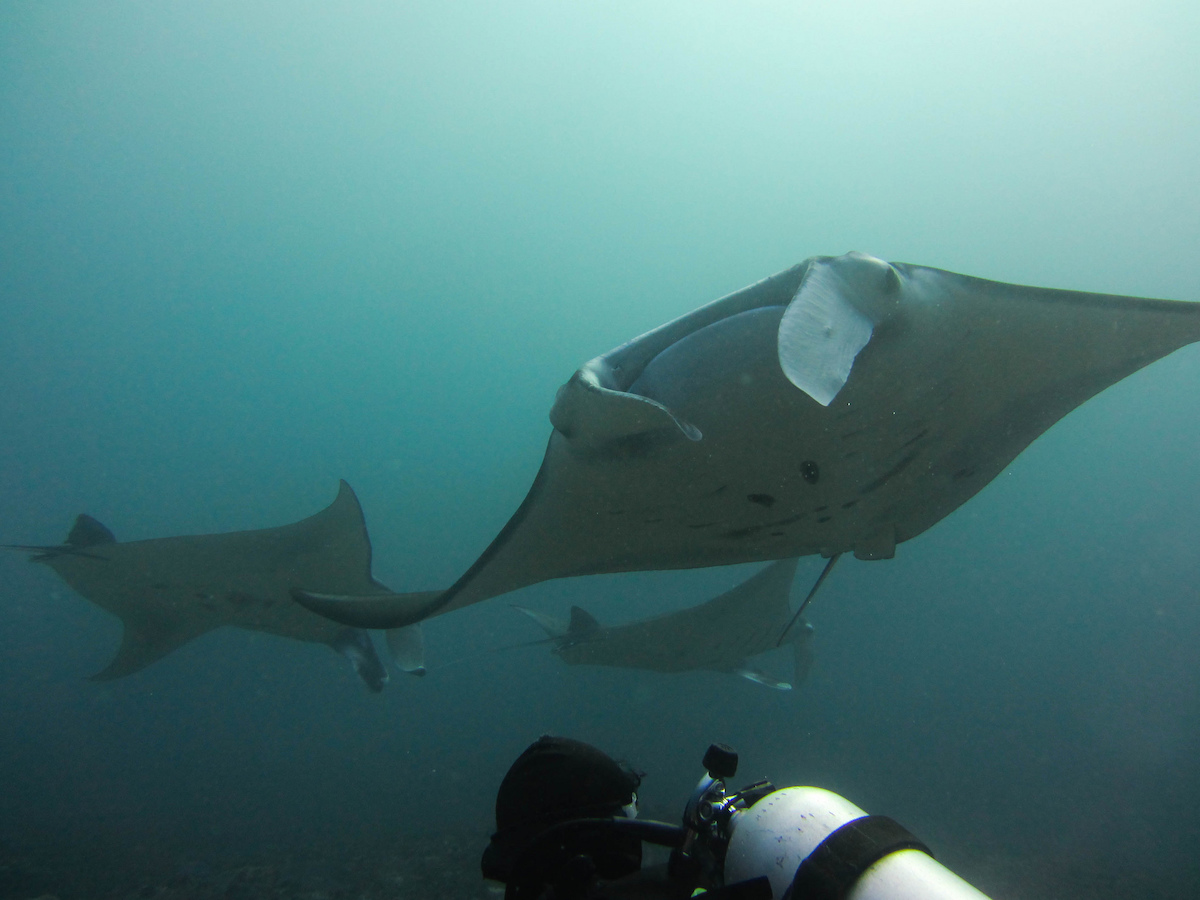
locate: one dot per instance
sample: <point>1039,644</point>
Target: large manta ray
<point>167,591</point>
<point>721,635</point>
<point>843,405</point>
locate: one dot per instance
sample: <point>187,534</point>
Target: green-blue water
<point>249,249</point>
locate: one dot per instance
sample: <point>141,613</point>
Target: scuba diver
<point>559,780</point>
<point>567,829</point>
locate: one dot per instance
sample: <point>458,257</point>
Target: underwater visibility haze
<point>247,250</point>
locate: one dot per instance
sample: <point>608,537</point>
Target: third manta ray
<point>844,405</point>
<point>722,635</point>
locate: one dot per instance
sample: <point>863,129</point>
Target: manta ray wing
<point>147,639</point>
<point>844,405</point>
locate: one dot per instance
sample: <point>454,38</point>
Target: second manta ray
<point>168,591</point>
<point>844,405</point>
<point>721,635</point>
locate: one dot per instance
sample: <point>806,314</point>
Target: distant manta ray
<point>721,635</point>
<point>844,405</point>
<point>167,591</point>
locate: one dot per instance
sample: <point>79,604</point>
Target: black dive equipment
<point>565,832</point>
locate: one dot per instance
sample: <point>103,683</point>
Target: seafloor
<point>415,866</point>
<point>423,866</point>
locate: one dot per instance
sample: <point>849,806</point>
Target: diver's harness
<point>699,850</point>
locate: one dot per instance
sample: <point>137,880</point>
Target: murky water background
<point>246,250</point>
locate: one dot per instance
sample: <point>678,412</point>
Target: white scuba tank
<point>777,833</point>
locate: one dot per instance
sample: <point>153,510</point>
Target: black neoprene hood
<point>555,780</point>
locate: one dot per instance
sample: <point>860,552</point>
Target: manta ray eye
<point>809,471</point>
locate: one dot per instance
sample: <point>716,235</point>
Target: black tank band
<point>831,869</point>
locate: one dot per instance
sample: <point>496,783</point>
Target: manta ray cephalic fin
<point>760,678</point>
<point>407,647</point>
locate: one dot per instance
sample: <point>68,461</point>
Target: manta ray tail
<point>783,635</point>
<point>385,611</point>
